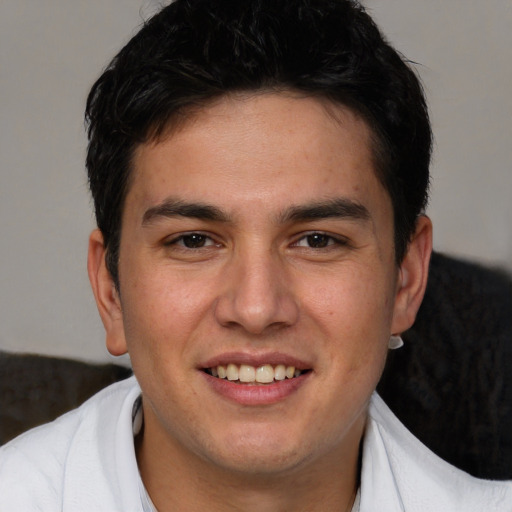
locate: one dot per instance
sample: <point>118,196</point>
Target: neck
<point>179,480</point>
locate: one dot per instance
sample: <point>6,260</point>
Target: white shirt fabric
<point>85,461</point>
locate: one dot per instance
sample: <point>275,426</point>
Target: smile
<point>247,374</point>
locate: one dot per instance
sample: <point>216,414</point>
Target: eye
<point>192,241</point>
<point>319,241</point>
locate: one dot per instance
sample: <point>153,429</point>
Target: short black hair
<point>193,51</point>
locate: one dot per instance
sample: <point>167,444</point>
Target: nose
<point>256,295</point>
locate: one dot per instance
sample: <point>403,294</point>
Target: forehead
<point>262,149</point>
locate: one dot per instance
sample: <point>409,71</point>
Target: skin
<point>260,286</point>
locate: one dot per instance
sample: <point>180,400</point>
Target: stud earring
<point>395,341</point>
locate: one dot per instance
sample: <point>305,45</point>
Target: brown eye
<point>194,240</point>
<point>318,240</point>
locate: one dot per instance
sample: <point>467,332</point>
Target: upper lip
<point>256,360</point>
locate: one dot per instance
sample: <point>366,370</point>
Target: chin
<point>263,453</point>
<point>261,464</point>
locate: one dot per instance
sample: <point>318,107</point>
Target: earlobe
<point>106,295</point>
<point>412,277</point>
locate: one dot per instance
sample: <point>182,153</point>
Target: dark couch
<point>451,384</point>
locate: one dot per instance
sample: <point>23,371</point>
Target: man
<point>259,170</point>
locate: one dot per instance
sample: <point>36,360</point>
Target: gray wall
<point>52,50</point>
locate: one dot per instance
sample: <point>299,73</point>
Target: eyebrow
<point>334,208</point>
<point>178,208</point>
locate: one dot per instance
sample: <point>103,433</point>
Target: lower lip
<point>257,394</point>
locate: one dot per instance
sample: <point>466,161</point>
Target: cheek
<point>354,313</point>
<point>162,311</point>
<point>354,299</point>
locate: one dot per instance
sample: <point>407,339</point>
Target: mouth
<point>255,375</point>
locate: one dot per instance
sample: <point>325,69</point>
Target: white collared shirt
<point>85,461</point>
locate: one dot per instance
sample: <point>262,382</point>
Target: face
<point>257,241</point>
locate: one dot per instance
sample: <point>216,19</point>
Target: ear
<point>412,277</point>
<point>106,295</point>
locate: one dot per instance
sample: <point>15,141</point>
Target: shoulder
<point>37,466</point>
<point>420,479</point>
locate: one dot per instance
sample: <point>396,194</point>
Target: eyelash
<point>203,239</point>
<point>331,240</point>
<point>180,241</point>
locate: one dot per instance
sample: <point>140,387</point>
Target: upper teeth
<point>262,374</point>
